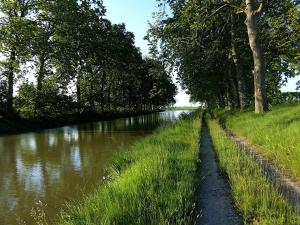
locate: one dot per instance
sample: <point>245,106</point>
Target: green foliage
<point>291,97</point>
<point>25,101</point>
<point>81,61</point>
<point>154,183</point>
<point>52,101</point>
<point>257,200</point>
<point>197,38</point>
<point>3,89</point>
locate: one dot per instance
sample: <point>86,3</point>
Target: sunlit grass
<point>154,183</point>
<point>276,133</point>
<point>255,198</point>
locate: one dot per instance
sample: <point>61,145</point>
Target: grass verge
<point>256,199</point>
<point>276,133</point>
<point>155,183</point>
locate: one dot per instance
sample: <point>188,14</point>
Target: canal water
<point>46,169</point>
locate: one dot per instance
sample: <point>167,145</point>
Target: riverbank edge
<point>158,177</point>
<point>255,197</point>
<point>17,126</point>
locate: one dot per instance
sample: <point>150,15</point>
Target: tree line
<point>229,53</point>
<point>79,60</point>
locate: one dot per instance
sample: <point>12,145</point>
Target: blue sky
<point>136,14</point>
<point>291,85</point>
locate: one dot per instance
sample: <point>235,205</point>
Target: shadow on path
<point>216,207</point>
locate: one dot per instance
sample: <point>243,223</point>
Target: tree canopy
<point>229,53</point>
<point>79,60</point>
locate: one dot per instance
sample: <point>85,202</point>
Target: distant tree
<point>163,90</point>
<point>25,101</point>
<point>3,95</point>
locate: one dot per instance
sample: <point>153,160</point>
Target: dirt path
<point>214,197</point>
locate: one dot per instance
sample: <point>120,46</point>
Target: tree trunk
<point>78,90</point>
<point>103,78</point>
<point>240,77</point>
<point>232,87</point>
<point>109,97</point>
<point>40,78</point>
<point>221,99</point>
<point>92,92</point>
<point>10,80</point>
<point>258,58</point>
<point>41,75</point>
<point>239,68</point>
<point>91,98</point>
<point>11,69</point>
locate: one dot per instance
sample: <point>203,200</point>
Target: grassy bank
<point>276,133</point>
<point>255,198</point>
<point>154,183</point>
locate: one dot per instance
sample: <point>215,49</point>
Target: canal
<point>47,169</point>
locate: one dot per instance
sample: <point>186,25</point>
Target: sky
<point>291,85</point>
<point>136,14</point>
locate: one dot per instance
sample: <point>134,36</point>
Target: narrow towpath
<point>215,202</point>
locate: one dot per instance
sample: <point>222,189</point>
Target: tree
<point>81,61</point>
<point>14,38</point>
<point>3,89</point>
<point>162,90</point>
<point>237,60</point>
<point>25,101</point>
<point>252,14</point>
<point>204,40</point>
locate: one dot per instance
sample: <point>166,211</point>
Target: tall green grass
<point>276,133</point>
<point>154,183</point>
<point>255,198</point>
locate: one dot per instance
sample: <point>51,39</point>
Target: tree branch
<point>233,6</point>
<point>261,7</point>
<point>227,3</point>
<point>217,10</point>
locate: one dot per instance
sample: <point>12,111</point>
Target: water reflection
<point>59,165</point>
